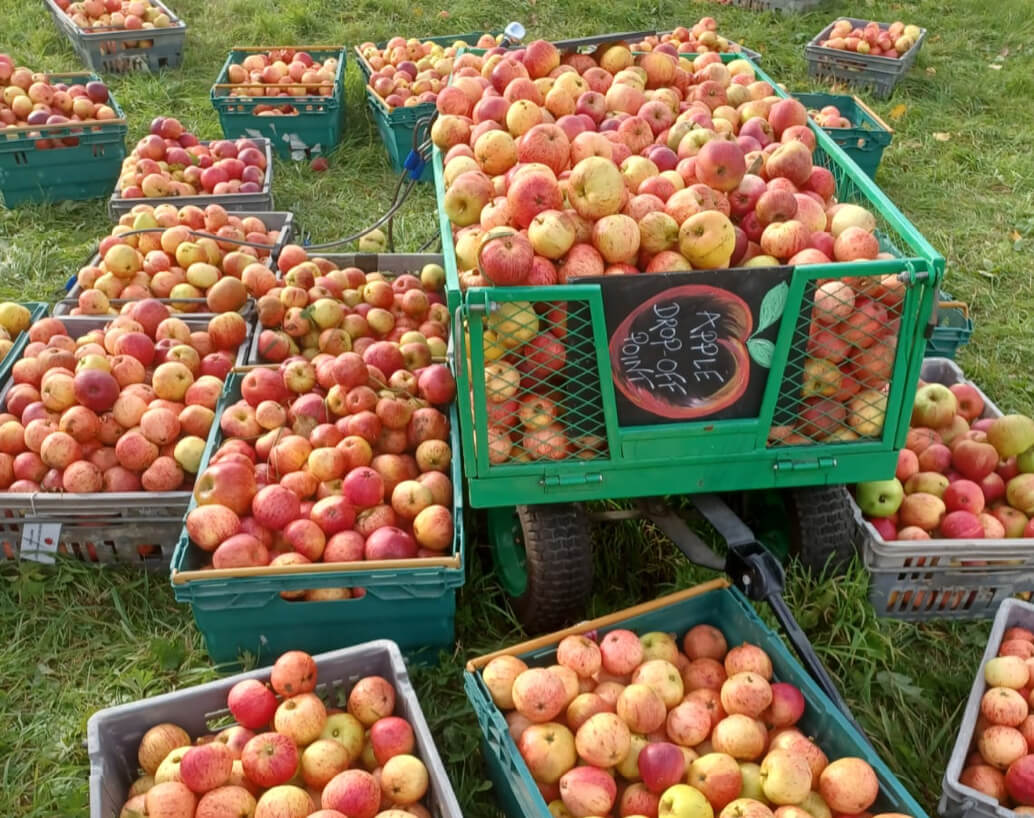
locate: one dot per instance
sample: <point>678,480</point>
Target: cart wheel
<point>823,527</point>
<point>543,558</point>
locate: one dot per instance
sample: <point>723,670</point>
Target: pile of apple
<point>322,309</point>
<point>14,320</point>
<point>29,98</point>
<point>561,167</point>
<point>960,476</point>
<point>170,262</point>
<point>124,408</point>
<point>1003,739</point>
<point>284,72</point>
<point>829,116</point>
<point>129,14</point>
<point>699,39</point>
<point>874,39</point>
<point>633,164</point>
<point>633,726</point>
<point>340,458</point>
<point>290,755</point>
<point>171,161</point>
<point>409,72</point>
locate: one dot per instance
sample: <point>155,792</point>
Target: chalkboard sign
<point>692,346</point>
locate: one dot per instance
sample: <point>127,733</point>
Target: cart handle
<point>760,576</point>
<point>866,109</point>
<point>954,305</point>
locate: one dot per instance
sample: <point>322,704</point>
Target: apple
<point>251,703</point>
<point>849,785</point>
<point>880,498</point>
<point>785,778</point>
<point>352,792</point>
<point>933,406</point>
<point>683,801</point>
<point>270,759</point>
<point>587,791</point>
<point>549,751</point>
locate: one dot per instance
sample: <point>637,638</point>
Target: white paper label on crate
<point>39,542</point>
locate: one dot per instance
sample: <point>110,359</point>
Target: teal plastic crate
<point>868,135</point>
<point>242,610</point>
<point>315,129</point>
<point>86,170</point>
<point>396,128</point>
<point>713,603</point>
<point>37,310</point>
<point>953,329</point>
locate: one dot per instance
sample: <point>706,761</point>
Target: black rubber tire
<point>823,528</point>
<point>558,560</point>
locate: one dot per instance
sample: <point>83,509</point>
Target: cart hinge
<point>551,481</point>
<point>815,464</point>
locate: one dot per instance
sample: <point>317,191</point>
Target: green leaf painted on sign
<point>761,351</point>
<point>772,306</point>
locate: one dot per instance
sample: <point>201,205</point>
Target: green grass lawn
<point>961,166</point>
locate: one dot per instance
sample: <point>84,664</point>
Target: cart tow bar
<point>759,575</point>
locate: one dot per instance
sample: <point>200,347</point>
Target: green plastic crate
<point>868,135</point>
<point>953,329</point>
<point>714,604</point>
<point>706,456</point>
<point>415,607</point>
<point>37,310</point>
<point>87,170</point>
<point>396,128</point>
<point>315,129</point>
<point>118,51</point>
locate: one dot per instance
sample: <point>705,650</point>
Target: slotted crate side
<point>282,221</point>
<point>957,798</point>
<point>944,579</point>
<point>715,604</point>
<point>104,527</point>
<point>120,51</point>
<point>877,73</point>
<point>316,126</point>
<point>251,202</point>
<point>113,734</point>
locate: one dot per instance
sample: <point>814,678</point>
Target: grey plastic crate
<point>397,263</point>
<point>279,220</point>
<point>237,202</point>
<point>788,6</point>
<point>117,51</point>
<point>734,48</point>
<point>879,74</point>
<point>958,800</point>
<point>944,579</point>
<point>125,528</point>
<point>113,734</point>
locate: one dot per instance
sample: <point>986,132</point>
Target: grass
<point>961,166</point>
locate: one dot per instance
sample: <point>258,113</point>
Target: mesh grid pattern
<point>542,383</point>
<point>841,360</point>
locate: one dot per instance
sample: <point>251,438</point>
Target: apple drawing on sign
<point>686,346</point>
